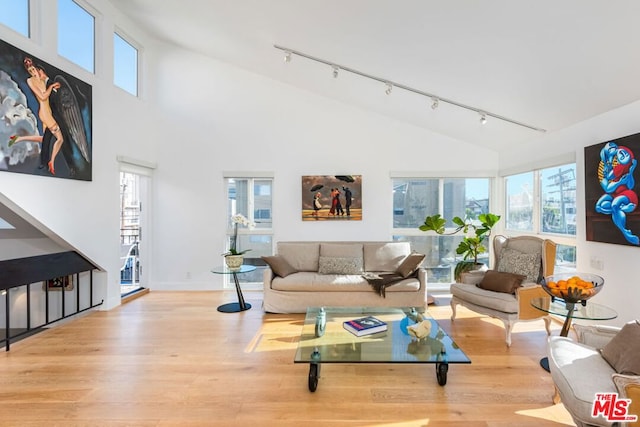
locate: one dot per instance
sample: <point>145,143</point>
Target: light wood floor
<point>171,359</point>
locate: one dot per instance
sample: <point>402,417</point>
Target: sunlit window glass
<point>416,198</point>
<point>76,37</point>
<point>413,200</point>
<point>558,210</point>
<point>519,202</point>
<point>15,15</point>
<point>565,259</point>
<point>465,198</point>
<point>252,198</point>
<point>125,65</point>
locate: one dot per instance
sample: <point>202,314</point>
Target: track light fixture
<point>435,99</point>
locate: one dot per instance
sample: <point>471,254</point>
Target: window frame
<point>245,231</point>
<point>560,239</point>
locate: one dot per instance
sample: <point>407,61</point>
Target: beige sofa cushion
<point>385,256</point>
<point>341,250</point>
<point>316,282</point>
<point>302,256</point>
<point>500,301</point>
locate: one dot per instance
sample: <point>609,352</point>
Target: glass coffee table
<point>334,344</point>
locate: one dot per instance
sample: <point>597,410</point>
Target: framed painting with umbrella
<point>332,198</point>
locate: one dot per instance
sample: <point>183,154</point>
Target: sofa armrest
<point>628,387</point>
<point>422,278</point>
<point>525,294</point>
<point>596,336</point>
<point>267,277</point>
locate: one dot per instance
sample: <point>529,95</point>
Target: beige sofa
<point>309,284</point>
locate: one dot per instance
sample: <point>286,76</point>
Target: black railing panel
<point>32,299</point>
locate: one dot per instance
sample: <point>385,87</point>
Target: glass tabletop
<point>590,311</point>
<point>223,269</point>
<point>395,345</point>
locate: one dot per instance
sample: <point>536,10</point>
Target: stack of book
<point>365,326</point>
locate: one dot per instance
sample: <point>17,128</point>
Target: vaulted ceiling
<point>546,63</point>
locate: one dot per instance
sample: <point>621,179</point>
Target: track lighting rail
<point>389,84</point>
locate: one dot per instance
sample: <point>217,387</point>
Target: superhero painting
<point>612,214</point>
<point>45,118</point>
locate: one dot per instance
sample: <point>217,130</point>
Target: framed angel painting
<point>47,129</point>
<point>332,198</point>
<point>611,193</point>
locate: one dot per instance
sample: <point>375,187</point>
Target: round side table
<point>234,307</point>
<point>558,307</point>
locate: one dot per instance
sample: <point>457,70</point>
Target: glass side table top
<point>395,345</point>
<point>223,269</point>
<point>241,305</point>
<point>558,307</point>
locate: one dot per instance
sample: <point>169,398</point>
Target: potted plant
<point>471,245</point>
<point>234,257</point>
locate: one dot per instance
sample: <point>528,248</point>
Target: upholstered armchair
<point>604,359</point>
<point>527,256</point>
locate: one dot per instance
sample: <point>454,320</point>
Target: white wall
<point>197,118</point>
<point>622,283</point>
<point>85,214</point>
<point>227,119</point>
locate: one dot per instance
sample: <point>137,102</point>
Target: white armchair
<point>509,308</point>
<point>579,372</point>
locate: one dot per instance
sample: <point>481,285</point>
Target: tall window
<point>251,197</point>
<point>15,15</point>
<point>76,34</point>
<point>543,201</point>
<point>416,198</point>
<point>125,65</point>
<point>519,207</point>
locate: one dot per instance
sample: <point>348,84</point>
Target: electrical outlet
<point>596,263</point>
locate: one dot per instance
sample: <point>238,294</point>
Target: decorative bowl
<point>573,287</point>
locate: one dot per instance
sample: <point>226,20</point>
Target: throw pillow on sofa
<point>279,265</point>
<point>410,264</point>
<point>499,281</point>
<point>340,265</point>
<point>623,349</point>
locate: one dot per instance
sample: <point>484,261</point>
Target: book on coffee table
<point>365,326</point>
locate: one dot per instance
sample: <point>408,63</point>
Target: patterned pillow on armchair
<point>516,262</point>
